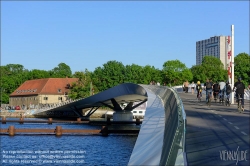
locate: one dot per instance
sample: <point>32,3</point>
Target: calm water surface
<point>65,150</point>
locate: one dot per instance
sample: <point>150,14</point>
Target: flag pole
<point>232,62</point>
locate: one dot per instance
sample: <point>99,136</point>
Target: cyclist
<point>227,89</point>
<point>240,89</point>
<point>216,89</point>
<point>222,86</point>
<point>199,89</point>
<point>208,85</point>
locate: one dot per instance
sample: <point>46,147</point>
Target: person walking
<point>186,86</point>
<point>183,87</point>
<point>192,87</point>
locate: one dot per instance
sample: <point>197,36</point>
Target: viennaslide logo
<point>235,155</point>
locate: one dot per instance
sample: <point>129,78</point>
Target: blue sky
<point>86,35</point>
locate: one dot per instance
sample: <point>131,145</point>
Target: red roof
<point>54,86</point>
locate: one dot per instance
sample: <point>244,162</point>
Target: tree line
<point>112,73</point>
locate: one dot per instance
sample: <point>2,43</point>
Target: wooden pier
<point>49,121</point>
<point>77,121</point>
<point>59,131</point>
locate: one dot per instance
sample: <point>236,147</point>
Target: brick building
<point>41,91</point>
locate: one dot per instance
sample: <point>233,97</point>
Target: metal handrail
<point>172,149</point>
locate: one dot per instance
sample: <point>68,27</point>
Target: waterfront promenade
<point>216,135</point>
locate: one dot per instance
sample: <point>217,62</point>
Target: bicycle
<point>227,101</point>
<point>239,101</point>
<point>199,97</point>
<point>215,96</point>
<point>209,98</point>
<point>221,94</point>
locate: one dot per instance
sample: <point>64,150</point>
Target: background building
<point>41,91</point>
<point>214,46</point>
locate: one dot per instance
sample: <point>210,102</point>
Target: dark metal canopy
<point>123,93</point>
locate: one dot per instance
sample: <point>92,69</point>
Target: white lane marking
<point>230,123</point>
<point>243,133</point>
<point>219,115</point>
<point>224,118</point>
<point>236,127</point>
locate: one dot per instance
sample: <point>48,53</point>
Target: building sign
<point>229,57</point>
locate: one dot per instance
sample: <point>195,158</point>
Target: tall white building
<point>214,46</point>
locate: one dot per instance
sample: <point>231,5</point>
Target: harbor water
<point>68,149</point>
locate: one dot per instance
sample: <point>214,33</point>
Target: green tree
<point>12,76</point>
<point>142,75</point>
<point>157,75</point>
<point>133,74</point>
<point>83,87</point>
<point>61,71</point>
<point>96,78</point>
<point>38,74</point>
<point>176,72</point>
<point>148,74</point>
<point>211,67</point>
<point>111,74</point>
<point>7,87</point>
<point>242,67</point>
<point>14,68</point>
<point>198,72</point>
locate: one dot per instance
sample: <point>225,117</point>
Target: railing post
<point>21,120</point>
<point>4,120</point>
<point>78,120</point>
<point>137,121</point>
<point>58,130</point>
<point>108,120</point>
<point>50,121</point>
<point>11,130</point>
<point>104,131</point>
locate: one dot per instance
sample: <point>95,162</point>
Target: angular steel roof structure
<point>113,97</point>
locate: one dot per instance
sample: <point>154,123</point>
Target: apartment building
<point>214,46</point>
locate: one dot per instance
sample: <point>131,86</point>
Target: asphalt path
<point>216,135</point>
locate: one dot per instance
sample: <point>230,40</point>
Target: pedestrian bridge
<point>170,135</point>
<point>161,139</point>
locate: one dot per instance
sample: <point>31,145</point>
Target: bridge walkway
<point>214,132</point>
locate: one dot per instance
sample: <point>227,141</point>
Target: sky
<point>86,35</point>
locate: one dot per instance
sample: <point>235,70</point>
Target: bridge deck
<point>213,132</point>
